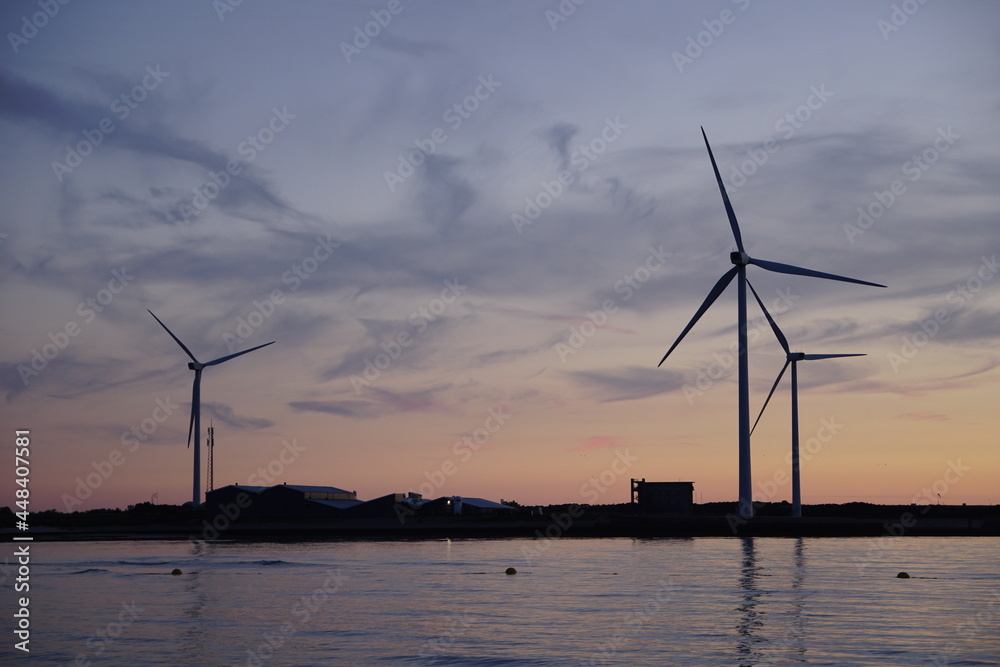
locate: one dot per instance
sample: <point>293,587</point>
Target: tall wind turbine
<point>741,259</point>
<point>195,424</point>
<point>791,358</point>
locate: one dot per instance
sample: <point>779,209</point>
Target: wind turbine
<point>791,358</point>
<point>741,259</point>
<point>195,424</point>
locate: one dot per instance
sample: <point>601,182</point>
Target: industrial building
<point>461,506</point>
<point>296,501</point>
<point>663,497</point>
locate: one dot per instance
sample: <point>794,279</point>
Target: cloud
<point>628,384</point>
<point>923,416</point>
<point>557,136</point>
<point>444,195</point>
<point>967,379</point>
<point>247,195</point>
<point>349,409</point>
<point>597,442</point>
<point>577,319</point>
<point>225,414</point>
<point>381,351</point>
<point>382,402</point>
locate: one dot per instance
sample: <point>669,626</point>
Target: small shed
<point>663,497</point>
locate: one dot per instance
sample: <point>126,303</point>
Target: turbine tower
<point>741,260</point>
<point>210,483</point>
<point>195,424</point>
<point>791,358</point>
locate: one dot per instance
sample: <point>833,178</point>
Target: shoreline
<point>551,526</point>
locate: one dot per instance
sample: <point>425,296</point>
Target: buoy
<point>902,575</point>
<point>511,570</point>
<point>176,571</point>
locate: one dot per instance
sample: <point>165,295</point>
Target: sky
<point>474,228</point>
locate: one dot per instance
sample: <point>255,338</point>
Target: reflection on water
<point>797,630</point>
<point>784,638</point>
<point>750,601</point>
<point>751,619</point>
<point>192,637</point>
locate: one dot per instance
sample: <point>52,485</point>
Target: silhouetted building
<point>382,506</point>
<point>281,501</point>
<point>460,505</point>
<point>663,497</point>
<point>296,501</point>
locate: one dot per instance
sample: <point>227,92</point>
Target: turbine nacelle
<point>796,356</point>
<point>195,366</point>
<point>739,258</point>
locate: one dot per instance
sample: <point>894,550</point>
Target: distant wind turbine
<point>741,259</point>
<point>791,358</point>
<point>195,425</point>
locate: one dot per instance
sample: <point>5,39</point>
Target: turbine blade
<point>233,356</point>
<point>194,398</point>
<point>183,346</point>
<point>773,387</point>
<point>811,357</point>
<point>774,326</point>
<point>720,286</point>
<point>798,271</point>
<point>725,197</point>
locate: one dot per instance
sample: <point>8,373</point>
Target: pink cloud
<point>597,442</point>
<point>923,416</point>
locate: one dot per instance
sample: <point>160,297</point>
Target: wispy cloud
<point>597,442</point>
<point>248,195</point>
<point>627,384</point>
<point>225,414</point>
<point>923,416</point>
<point>381,402</point>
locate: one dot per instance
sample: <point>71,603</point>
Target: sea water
<point>702,601</point>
